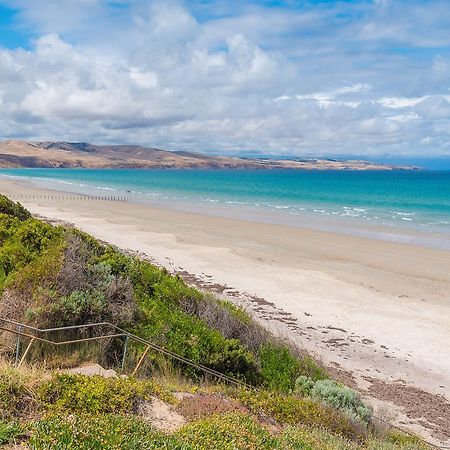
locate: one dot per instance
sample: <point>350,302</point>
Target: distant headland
<point>58,154</point>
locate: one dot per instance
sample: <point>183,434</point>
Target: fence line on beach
<point>109,198</point>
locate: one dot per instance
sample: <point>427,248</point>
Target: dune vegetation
<point>54,276</point>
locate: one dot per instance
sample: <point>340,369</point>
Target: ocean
<point>406,206</point>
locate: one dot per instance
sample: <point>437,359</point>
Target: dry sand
<point>376,313</point>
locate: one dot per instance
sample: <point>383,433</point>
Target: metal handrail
<point>119,333</point>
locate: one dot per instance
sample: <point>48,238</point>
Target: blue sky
<point>10,36</point>
<point>314,78</point>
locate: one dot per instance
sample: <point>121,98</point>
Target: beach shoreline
<point>373,311</point>
<point>299,203</point>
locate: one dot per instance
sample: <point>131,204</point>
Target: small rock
<point>91,370</point>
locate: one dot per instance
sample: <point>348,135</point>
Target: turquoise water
<point>398,200</point>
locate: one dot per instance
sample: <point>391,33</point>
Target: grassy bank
<point>49,411</point>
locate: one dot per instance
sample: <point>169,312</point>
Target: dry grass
<point>204,405</point>
<point>18,391</point>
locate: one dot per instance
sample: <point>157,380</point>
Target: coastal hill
<point>80,154</point>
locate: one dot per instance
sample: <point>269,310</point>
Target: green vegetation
<point>228,431</point>
<point>106,432</point>
<point>12,209</point>
<point>60,411</point>
<point>302,438</point>
<point>9,432</point>
<point>96,395</point>
<point>335,394</point>
<point>295,410</point>
<point>57,276</point>
<point>18,396</point>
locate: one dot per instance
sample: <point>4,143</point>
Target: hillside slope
<point>79,154</point>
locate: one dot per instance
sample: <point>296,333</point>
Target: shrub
<point>8,226</point>
<point>100,432</point>
<point>292,410</point>
<point>120,264</point>
<point>190,337</point>
<point>239,313</point>
<point>278,367</point>
<point>28,288</point>
<point>61,287</point>
<point>311,368</point>
<point>95,395</point>
<point>227,432</point>
<point>26,243</point>
<point>36,235</point>
<point>337,395</point>
<point>231,321</point>
<point>10,208</point>
<point>80,306</point>
<point>303,385</point>
<point>90,290</point>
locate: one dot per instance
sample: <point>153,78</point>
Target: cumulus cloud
<point>223,77</point>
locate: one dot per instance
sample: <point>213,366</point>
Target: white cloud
<point>404,117</point>
<point>143,79</point>
<point>398,102</point>
<point>300,81</point>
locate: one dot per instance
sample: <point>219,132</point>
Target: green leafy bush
<point>25,243</point>
<point>335,394</point>
<point>190,337</point>
<point>10,208</point>
<point>227,432</point>
<point>292,410</point>
<point>79,305</point>
<point>239,313</point>
<point>95,395</point>
<point>278,367</point>
<point>28,290</point>
<point>8,226</point>
<point>36,235</point>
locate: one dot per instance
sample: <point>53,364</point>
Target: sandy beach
<point>377,313</point>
